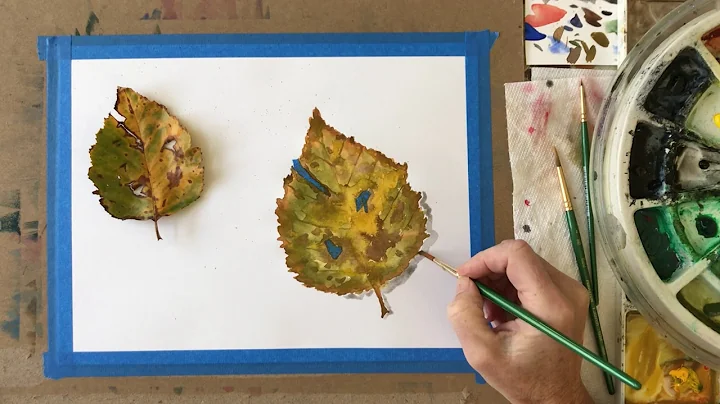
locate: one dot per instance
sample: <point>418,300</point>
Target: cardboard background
<point>22,158</point>
<point>22,153</point>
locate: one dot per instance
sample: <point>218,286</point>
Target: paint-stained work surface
<point>582,32</point>
<point>22,154</point>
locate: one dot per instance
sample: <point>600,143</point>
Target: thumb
<point>477,339</point>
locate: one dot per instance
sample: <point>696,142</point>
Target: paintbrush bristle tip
<point>427,255</point>
<point>557,157</point>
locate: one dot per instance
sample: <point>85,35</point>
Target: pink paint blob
<point>544,14</point>
<point>528,88</point>
<point>531,130</point>
<point>541,108</point>
<point>527,202</point>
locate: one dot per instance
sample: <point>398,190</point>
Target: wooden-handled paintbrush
<point>540,325</point>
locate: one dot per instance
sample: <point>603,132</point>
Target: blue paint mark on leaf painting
<point>11,326</point>
<point>575,21</point>
<point>531,34</point>
<point>333,249</point>
<point>558,47</point>
<point>10,223</point>
<point>307,177</point>
<point>361,202</point>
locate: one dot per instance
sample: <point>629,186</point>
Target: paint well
<point>665,372</point>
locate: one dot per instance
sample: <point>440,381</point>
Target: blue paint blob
<point>567,28</point>
<point>575,21</point>
<point>333,249</point>
<point>531,34</point>
<point>362,201</point>
<point>307,177</point>
<point>558,47</point>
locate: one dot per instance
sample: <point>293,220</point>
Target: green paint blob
<point>706,226</point>
<point>656,235</point>
<point>611,27</point>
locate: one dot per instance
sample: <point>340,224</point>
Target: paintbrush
<point>576,241</point>
<point>541,326</point>
<point>585,139</point>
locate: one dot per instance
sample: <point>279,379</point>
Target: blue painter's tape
<point>480,180</point>
<point>268,45</point>
<point>309,178</point>
<point>61,361</point>
<point>57,53</point>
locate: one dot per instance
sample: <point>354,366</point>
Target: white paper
<point>542,16</point>
<point>218,280</point>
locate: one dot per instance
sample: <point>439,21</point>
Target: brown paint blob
<point>574,54</point>
<point>557,35</point>
<point>601,39</point>
<point>591,17</point>
<point>590,52</point>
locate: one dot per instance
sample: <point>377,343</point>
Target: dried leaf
<point>349,221</point>
<point>145,167</point>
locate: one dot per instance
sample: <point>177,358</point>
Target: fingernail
<point>463,284</point>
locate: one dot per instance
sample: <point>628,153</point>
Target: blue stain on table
<point>309,178</point>
<point>11,326</point>
<point>531,34</point>
<point>333,250</point>
<point>361,202</point>
<point>10,223</point>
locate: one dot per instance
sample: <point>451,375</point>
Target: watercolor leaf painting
<point>560,32</point>
<point>144,167</point>
<point>349,221</point>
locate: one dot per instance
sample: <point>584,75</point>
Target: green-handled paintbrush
<point>585,140</point>
<point>582,267</point>
<point>543,327</point>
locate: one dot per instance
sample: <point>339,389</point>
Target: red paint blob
<point>544,14</point>
<point>527,202</point>
<point>531,130</point>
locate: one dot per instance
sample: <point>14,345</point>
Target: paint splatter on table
<point>582,32</point>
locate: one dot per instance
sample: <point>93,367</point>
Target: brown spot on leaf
<point>397,215</point>
<point>380,243</point>
<point>174,177</point>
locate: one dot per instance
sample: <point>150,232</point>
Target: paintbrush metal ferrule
<point>582,103</point>
<point>563,183</point>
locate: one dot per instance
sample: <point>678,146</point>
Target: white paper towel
<point>540,115</point>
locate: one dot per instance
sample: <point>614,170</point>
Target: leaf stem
<point>157,233</point>
<point>378,293</point>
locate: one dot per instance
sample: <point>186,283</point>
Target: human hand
<point>522,363</point>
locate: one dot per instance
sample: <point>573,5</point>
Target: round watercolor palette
<point>657,189</point>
